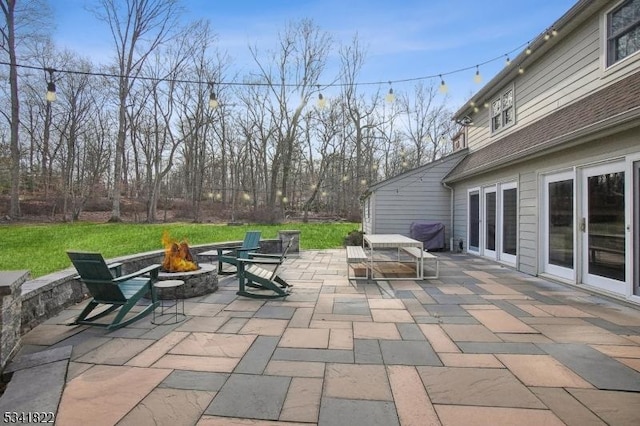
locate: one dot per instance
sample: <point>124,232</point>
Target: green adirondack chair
<point>232,252</point>
<point>253,273</point>
<point>108,287</point>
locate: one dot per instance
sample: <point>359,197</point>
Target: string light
<point>443,86</point>
<point>51,86</point>
<point>213,100</point>
<point>390,96</point>
<point>214,103</point>
<point>321,100</point>
<point>554,32</point>
<point>477,78</point>
<point>507,61</point>
<point>521,70</point>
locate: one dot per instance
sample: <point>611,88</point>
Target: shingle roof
<point>556,129</point>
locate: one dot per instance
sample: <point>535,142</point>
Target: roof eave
<point>619,123</point>
<point>580,12</point>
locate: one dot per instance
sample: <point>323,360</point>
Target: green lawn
<point>42,248</point>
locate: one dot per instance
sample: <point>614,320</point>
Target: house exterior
<point>550,183</point>
<point>546,173</point>
<point>391,206</point>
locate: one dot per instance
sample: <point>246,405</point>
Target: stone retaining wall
<point>47,296</point>
<point>10,292</point>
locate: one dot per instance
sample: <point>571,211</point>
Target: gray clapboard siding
<point>416,195</point>
<point>567,73</point>
<point>529,199</point>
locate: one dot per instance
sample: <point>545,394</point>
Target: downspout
<point>451,248</point>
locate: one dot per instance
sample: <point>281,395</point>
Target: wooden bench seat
<point>356,254</point>
<point>416,252</point>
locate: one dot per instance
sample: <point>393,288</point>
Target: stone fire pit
<point>196,283</point>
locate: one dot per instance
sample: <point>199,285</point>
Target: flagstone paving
<point>481,345</point>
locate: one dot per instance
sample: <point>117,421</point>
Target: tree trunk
<point>14,208</point>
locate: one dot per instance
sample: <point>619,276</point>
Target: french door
<point>559,225</point>
<point>493,221</point>
<point>473,233</point>
<point>603,227</point>
<point>490,217</point>
<point>509,222</point>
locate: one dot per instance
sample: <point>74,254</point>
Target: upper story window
<point>623,31</point>
<point>502,111</point>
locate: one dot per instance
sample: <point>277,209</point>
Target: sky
<point>404,39</point>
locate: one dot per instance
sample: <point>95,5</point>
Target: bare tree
<point>427,123</point>
<point>138,28</point>
<point>20,23</point>
<point>357,115</point>
<point>323,126</point>
<point>297,67</point>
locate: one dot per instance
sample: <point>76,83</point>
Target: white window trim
<point>503,127</point>
<point>604,36</point>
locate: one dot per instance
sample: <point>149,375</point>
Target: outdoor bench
<point>355,254</point>
<point>417,253</point>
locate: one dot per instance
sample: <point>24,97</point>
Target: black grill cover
<point>430,233</point>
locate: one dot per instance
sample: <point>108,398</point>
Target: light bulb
<point>51,92</point>
<point>443,86</point>
<point>322,102</point>
<point>477,78</point>
<point>390,96</point>
<point>213,101</point>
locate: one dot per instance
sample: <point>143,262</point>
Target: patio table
<point>374,242</point>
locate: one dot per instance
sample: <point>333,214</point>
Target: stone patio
<point>482,345</point>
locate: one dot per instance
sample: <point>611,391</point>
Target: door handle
<point>583,224</point>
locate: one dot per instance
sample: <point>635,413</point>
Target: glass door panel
<point>559,225</point>
<point>604,218</point>
<point>490,209</point>
<point>509,219</point>
<point>474,222</point>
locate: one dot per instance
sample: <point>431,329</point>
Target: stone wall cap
<point>12,279</point>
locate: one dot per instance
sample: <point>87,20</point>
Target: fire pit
<point>178,264</point>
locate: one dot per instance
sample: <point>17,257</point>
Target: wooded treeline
<point>141,127</point>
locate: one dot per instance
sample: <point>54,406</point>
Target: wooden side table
<point>170,313</point>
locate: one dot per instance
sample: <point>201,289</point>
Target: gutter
<point>451,249</point>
